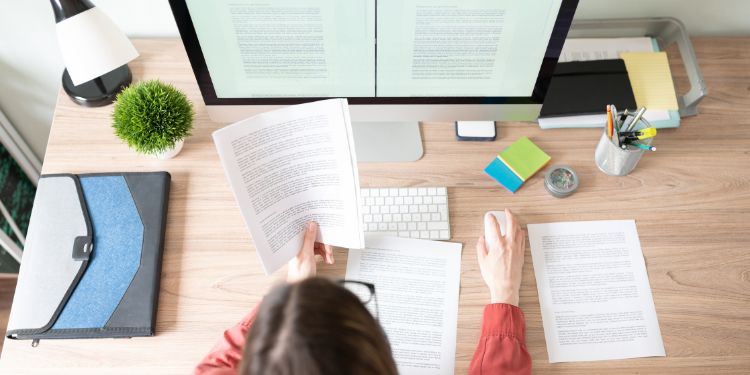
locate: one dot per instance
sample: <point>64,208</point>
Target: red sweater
<point>501,348</point>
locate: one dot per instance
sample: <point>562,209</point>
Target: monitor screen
<point>371,51</point>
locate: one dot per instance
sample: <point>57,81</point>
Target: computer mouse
<point>500,216</point>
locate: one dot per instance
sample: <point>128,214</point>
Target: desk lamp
<point>95,53</point>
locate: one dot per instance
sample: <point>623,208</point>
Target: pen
<point>615,126</point>
<point>644,147</point>
<point>636,119</point>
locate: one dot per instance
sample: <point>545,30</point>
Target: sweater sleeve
<point>502,345</point>
<point>226,355</point>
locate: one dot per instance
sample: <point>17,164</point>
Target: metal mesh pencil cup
<point>615,161</point>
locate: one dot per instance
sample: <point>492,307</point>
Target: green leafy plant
<point>152,116</point>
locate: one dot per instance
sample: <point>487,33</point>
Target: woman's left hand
<point>304,264</point>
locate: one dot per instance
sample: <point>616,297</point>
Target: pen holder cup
<point>615,161</point>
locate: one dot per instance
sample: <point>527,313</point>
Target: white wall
<point>30,65</point>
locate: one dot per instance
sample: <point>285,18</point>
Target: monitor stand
<point>387,141</point>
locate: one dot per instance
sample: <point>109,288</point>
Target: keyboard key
<point>432,191</point>
<point>438,225</point>
<point>421,191</point>
<point>383,192</point>
<point>442,191</point>
<point>417,200</point>
<point>439,200</point>
<point>421,225</point>
<point>424,208</point>
<point>403,234</point>
<point>414,234</point>
<point>424,234</point>
<point>375,192</point>
<point>412,191</point>
<point>382,226</point>
<point>385,209</point>
<point>408,200</point>
<point>413,209</point>
<point>397,217</point>
<point>379,201</point>
<point>412,226</point>
<point>364,192</point>
<point>399,200</point>
<point>435,216</point>
<point>365,209</point>
<point>377,218</point>
<point>433,208</point>
<point>402,192</point>
<point>393,192</point>
<point>403,209</point>
<point>427,200</point>
<point>445,235</point>
<point>389,201</point>
<point>407,217</point>
<point>367,218</point>
<point>370,201</point>
<point>434,235</point>
<point>372,227</point>
<point>375,209</point>
<point>392,226</point>
<point>387,218</point>
<point>402,226</point>
<point>425,217</point>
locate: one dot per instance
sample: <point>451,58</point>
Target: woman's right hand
<point>501,263</point>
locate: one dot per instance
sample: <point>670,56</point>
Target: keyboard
<point>406,212</point>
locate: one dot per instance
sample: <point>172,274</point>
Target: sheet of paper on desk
<point>291,166</point>
<point>593,291</point>
<point>588,49</point>
<point>416,287</point>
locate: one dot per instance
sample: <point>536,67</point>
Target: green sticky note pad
<point>524,158</point>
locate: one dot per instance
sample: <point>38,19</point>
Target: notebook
<point>651,79</point>
<point>586,87</point>
<point>517,163</point>
<point>92,259</point>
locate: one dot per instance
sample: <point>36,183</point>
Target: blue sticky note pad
<point>502,174</point>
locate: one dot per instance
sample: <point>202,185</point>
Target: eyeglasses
<point>365,292</point>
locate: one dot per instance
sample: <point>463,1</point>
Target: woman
<point>315,326</point>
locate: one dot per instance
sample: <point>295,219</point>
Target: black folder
<point>92,259</point>
<point>586,87</point>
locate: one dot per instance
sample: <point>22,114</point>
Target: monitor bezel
<point>205,84</point>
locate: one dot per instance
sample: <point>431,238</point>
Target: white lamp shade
<point>92,45</point>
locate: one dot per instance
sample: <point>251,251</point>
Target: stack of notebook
<point>517,163</point>
<point>591,73</point>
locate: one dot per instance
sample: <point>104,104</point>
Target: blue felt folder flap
<point>116,296</point>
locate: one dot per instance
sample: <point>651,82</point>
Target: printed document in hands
<point>291,166</point>
<point>593,291</point>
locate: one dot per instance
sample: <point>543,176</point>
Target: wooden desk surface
<point>691,203</point>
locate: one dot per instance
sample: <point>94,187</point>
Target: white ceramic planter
<point>168,154</point>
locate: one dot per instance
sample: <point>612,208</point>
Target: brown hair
<point>315,327</point>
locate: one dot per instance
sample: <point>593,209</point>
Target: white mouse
<point>500,216</point>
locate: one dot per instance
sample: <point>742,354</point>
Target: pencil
<point>609,121</point>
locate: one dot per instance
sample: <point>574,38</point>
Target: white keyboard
<point>407,212</point>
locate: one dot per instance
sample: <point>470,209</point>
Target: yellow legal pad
<point>651,79</point>
<point>524,158</point>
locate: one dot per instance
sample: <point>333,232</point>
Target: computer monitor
<point>396,61</point>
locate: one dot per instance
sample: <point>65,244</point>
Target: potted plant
<point>153,118</point>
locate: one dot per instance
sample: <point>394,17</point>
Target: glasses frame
<point>370,287</point>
